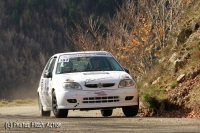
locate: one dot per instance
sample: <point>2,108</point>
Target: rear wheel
<point>106,112</point>
<point>130,111</point>
<point>59,113</point>
<point>42,112</point>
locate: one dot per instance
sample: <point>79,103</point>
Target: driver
<point>95,63</point>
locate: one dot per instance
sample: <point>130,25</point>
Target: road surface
<point>27,119</point>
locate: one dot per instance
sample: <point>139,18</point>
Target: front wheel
<point>59,113</point>
<point>106,112</point>
<point>42,112</point>
<point>130,111</point>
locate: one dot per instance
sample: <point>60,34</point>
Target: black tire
<point>59,113</point>
<point>42,112</point>
<point>106,113</point>
<point>130,111</point>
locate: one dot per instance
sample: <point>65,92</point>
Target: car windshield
<point>87,62</point>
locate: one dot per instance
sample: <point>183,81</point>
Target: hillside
<point>172,87</point>
<point>32,31</point>
<point>28,38</point>
<point>158,41</point>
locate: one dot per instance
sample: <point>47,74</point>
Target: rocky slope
<point>172,87</point>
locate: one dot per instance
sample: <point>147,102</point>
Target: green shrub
<point>173,34</point>
<point>173,84</point>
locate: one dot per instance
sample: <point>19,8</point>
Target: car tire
<point>58,113</point>
<point>106,113</point>
<point>42,112</point>
<point>130,111</point>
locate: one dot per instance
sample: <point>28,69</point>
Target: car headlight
<point>71,85</point>
<point>126,83</point>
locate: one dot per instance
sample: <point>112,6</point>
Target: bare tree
<point>136,32</point>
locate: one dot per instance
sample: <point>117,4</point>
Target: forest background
<point>31,31</point>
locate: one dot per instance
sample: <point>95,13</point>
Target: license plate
<point>100,93</point>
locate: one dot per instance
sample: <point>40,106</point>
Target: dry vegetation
<point>176,84</point>
<point>18,102</point>
<point>28,38</point>
<point>142,35</point>
<point>136,33</point>
<point>34,30</point>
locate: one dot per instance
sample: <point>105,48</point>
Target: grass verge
<point>18,102</point>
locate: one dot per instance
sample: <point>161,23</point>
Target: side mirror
<point>126,70</point>
<point>48,75</point>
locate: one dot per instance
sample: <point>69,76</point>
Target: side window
<point>47,66</point>
<point>50,65</point>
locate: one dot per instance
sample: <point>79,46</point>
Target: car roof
<point>81,52</point>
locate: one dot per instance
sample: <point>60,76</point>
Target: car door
<point>46,82</point>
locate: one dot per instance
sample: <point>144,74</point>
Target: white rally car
<point>86,81</point>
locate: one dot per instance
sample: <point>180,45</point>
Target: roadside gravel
<point>81,121</point>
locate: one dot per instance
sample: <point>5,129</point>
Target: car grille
<point>99,85</point>
<point>101,99</point>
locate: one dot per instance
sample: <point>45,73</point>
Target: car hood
<point>95,80</point>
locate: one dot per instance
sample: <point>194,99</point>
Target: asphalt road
<point>27,119</point>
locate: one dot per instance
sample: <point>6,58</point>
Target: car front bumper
<point>97,99</point>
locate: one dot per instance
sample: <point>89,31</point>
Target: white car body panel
<point>88,97</point>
